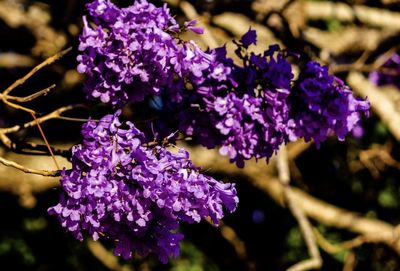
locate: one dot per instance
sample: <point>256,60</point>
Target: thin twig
<point>74,119</point>
<point>335,248</point>
<point>284,176</point>
<point>105,257</point>
<point>45,141</point>
<point>46,62</point>
<point>377,65</point>
<point>350,261</point>
<point>229,234</point>
<point>7,141</point>
<point>37,149</point>
<point>363,68</point>
<point>30,97</point>
<point>5,98</point>
<point>46,173</point>
<point>17,106</point>
<point>53,115</point>
<point>359,64</point>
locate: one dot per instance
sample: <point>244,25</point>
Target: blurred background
<point>347,189</point>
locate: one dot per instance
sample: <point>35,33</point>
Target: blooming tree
<point>129,183</point>
<point>135,194</point>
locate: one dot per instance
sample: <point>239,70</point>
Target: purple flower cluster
<point>389,74</point>
<point>249,110</point>
<point>136,193</point>
<point>246,105</point>
<point>133,194</point>
<point>130,53</point>
<point>322,104</point>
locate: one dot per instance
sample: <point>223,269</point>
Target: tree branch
<point>305,227</point>
<point>383,101</point>
<point>105,257</point>
<point>46,62</point>
<point>53,115</point>
<point>30,97</point>
<point>326,10</point>
<point>262,177</point>
<point>46,173</point>
<point>335,248</point>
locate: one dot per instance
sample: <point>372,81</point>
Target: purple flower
<point>322,104</point>
<point>133,52</point>
<point>243,110</point>
<point>134,195</point>
<point>250,37</point>
<point>247,111</point>
<point>190,25</point>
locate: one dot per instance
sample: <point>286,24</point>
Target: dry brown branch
<point>350,261</point>
<point>331,215</point>
<point>43,172</point>
<point>335,248</point>
<point>294,14</point>
<point>9,144</point>
<point>23,185</point>
<point>5,97</point>
<point>295,149</point>
<point>375,159</point>
<point>388,2</point>
<point>53,115</point>
<point>30,97</point>
<point>105,257</point>
<point>361,66</point>
<point>261,176</point>
<point>384,101</point>
<point>326,10</point>
<point>22,80</point>
<point>348,39</point>
<point>7,141</point>
<point>291,10</point>
<point>232,237</point>
<point>315,260</point>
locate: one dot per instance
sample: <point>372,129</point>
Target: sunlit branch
<point>30,97</point>
<point>335,248</point>
<point>53,115</point>
<point>39,149</point>
<point>46,173</point>
<point>45,140</point>
<point>305,227</point>
<point>46,62</point>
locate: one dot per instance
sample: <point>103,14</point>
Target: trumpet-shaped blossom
<point>135,195</point>
<point>247,110</point>
<point>133,52</point>
<point>322,104</point>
